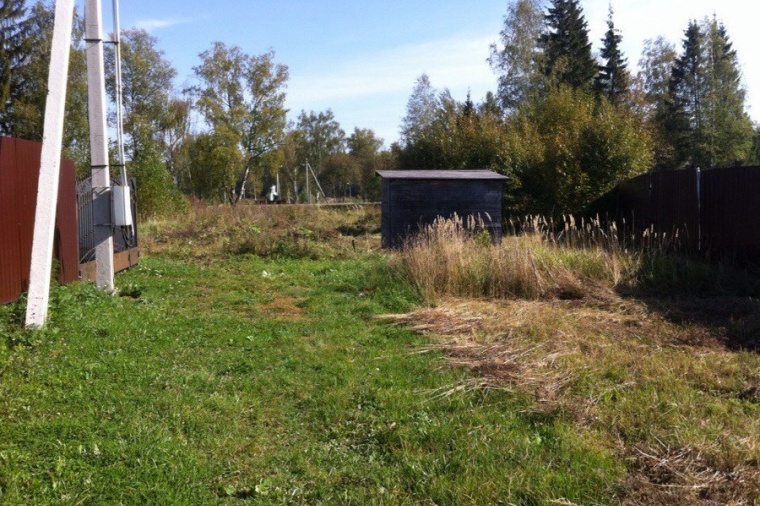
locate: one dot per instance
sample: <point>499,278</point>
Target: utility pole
<point>308,191</point>
<point>101,177</point>
<point>50,166</point>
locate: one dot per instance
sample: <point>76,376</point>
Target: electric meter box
<point>122,206</point>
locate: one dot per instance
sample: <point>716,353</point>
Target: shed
<point>412,199</point>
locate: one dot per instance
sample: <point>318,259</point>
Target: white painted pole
<point>101,178</point>
<point>50,165</point>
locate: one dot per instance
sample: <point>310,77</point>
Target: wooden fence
<point>715,211</point>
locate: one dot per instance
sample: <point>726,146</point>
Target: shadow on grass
<point>723,298</point>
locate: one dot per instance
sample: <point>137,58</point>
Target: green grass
<point>233,379</point>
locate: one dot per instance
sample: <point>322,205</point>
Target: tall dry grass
<point>452,257</point>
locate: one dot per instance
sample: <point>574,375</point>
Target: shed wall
<point>409,204</point>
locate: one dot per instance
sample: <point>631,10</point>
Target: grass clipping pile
<point>669,384</point>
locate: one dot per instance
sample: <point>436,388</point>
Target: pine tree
<point>613,79</point>
<point>12,28</point>
<point>566,49</point>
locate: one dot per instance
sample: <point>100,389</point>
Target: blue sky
<point>361,58</point>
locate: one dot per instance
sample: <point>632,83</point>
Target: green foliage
<point>146,85</point>
<point>241,96</point>
<point>704,119</point>
<point>12,16</point>
<point>566,50</point>
<point>517,58</point>
<point>420,111</point>
<point>215,163</point>
<point>458,136</point>
<point>24,113</point>
<point>570,148</point>
<point>365,148</point>
<point>613,79</point>
<point>156,193</point>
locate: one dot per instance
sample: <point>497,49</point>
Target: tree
<point>729,131</point>
<point>420,111</point>
<point>569,148</point>
<point>12,28</point>
<point>215,162</point>
<point>613,79</point>
<point>241,96</point>
<point>24,117</point>
<point>566,49</point>
<point>656,64</point>
<point>146,85</point>
<point>364,147</point>
<point>321,137</point>
<point>704,116</point>
<point>459,136</point>
<point>518,60</point>
<point>173,134</point>
<point>683,119</point>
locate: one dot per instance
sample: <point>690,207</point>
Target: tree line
<point>567,126</point>
<point>564,125</point>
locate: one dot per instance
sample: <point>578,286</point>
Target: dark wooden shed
<point>414,198</point>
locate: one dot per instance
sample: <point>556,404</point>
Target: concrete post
<point>50,166</point>
<point>101,178</point>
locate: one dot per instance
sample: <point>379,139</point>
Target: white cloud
<point>453,63</point>
<point>372,90</point>
<point>152,24</point>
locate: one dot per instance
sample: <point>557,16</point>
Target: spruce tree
<point>683,115</point>
<point>566,48</point>
<point>12,28</point>
<point>613,79</point>
<point>705,119</point>
<point>728,130</point>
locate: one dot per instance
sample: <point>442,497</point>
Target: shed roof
<point>440,174</point>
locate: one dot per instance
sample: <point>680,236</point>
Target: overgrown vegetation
<point>592,332</point>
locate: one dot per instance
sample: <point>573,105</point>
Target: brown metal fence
<point>19,175</point>
<point>715,211</point>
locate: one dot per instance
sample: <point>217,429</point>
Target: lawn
<point>252,361</point>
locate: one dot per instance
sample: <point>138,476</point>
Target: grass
<point>224,377</point>
<point>654,356</point>
<point>273,355</point>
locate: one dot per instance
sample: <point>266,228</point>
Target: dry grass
<point>670,382</point>
<point>451,258</point>
<point>288,231</point>
<point>671,398</point>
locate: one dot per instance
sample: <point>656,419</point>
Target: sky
<point>360,58</point>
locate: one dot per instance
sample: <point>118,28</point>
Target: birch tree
<point>241,96</point>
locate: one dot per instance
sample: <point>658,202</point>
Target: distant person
<point>273,194</point>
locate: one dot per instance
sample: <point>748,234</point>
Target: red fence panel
<point>19,175</point>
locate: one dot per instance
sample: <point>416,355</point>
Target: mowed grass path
<point>250,381</point>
